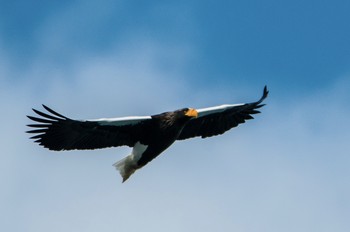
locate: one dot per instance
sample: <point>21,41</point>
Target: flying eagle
<point>147,135</point>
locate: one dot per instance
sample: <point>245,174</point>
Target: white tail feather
<point>128,165</point>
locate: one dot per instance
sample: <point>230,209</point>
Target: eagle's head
<point>177,117</point>
<point>187,113</point>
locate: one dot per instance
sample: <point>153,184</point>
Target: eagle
<point>148,136</point>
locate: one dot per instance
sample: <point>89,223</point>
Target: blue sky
<point>287,170</point>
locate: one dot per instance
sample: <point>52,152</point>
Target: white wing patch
<point>215,109</point>
<point>132,120</point>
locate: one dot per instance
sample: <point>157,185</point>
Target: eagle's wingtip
<point>265,94</point>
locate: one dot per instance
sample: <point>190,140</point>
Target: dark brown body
<point>170,125</point>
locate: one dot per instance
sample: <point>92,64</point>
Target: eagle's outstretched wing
<point>219,119</point>
<point>57,132</point>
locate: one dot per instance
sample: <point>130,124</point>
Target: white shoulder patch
<point>132,120</point>
<point>215,109</point>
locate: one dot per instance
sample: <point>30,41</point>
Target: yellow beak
<point>192,113</point>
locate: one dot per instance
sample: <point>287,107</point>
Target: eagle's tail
<point>126,167</point>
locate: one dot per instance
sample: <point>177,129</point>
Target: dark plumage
<point>148,135</point>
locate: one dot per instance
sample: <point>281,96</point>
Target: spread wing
<point>219,119</point>
<point>57,132</point>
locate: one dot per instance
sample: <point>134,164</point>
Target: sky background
<point>286,170</point>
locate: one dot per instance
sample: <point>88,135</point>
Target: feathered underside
<point>148,135</point>
<point>217,120</point>
<point>57,132</point>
